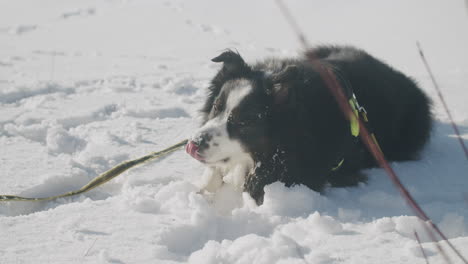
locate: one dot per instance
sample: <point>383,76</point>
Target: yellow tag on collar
<point>338,166</point>
<point>353,119</point>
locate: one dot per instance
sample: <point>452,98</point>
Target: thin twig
<point>442,99</point>
<point>466,6</point>
<point>421,247</point>
<point>52,67</point>
<point>333,85</point>
<point>92,245</point>
<point>292,22</point>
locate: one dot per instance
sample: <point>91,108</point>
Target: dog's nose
<point>193,150</point>
<point>203,140</point>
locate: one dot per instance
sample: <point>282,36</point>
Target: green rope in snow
<point>103,178</point>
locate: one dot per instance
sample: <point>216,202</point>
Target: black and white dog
<point>277,121</point>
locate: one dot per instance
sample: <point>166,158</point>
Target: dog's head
<point>237,113</point>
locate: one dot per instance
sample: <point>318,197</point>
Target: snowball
<point>324,224</point>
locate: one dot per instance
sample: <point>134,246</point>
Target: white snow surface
<point>85,85</point>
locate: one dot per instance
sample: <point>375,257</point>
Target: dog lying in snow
<point>276,120</point>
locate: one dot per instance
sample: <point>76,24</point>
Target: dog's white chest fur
<point>233,173</point>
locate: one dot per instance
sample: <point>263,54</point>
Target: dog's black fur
<point>295,132</point>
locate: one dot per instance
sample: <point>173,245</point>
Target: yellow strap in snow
<point>103,178</point>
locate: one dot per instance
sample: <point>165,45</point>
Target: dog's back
<point>399,111</point>
<point>316,136</point>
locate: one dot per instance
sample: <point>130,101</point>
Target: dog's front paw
<point>212,180</point>
<point>254,186</point>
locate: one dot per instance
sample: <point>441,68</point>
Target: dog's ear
<point>232,62</point>
<point>283,83</point>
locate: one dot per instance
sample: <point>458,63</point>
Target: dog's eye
<point>216,107</point>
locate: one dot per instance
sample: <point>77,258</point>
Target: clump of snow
<point>172,112</point>
<point>182,86</point>
<point>249,249</point>
<point>226,199</point>
<point>121,84</point>
<point>414,249</point>
<point>100,114</point>
<point>384,225</point>
<point>22,29</point>
<point>295,201</point>
<point>79,13</point>
<point>104,258</point>
<point>15,94</point>
<point>145,205</point>
<point>35,132</point>
<point>407,225</point>
<point>306,231</point>
<point>58,140</point>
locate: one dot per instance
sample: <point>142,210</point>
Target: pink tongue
<point>192,149</point>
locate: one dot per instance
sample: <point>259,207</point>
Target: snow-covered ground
<point>87,84</point>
